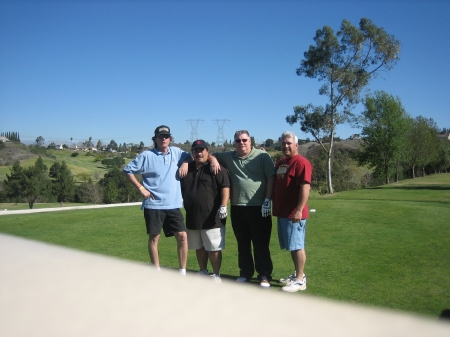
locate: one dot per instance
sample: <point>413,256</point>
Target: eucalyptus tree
<point>384,133</point>
<point>345,62</point>
<point>40,141</point>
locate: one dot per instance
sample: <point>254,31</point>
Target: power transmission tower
<point>220,136</point>
<point>194,124</point>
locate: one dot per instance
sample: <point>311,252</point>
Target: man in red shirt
<point>290,195</point>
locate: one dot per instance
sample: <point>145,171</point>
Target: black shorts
<point>170,220</point>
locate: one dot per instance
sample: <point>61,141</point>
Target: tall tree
<point>63,183</point>
<point>345,62</point>
<point>114,181</point>
<point>27,183</point>
<point>423,144</point>
<point>385,129</point>
<point>89,192</point>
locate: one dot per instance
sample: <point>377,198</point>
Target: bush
<point>74,154</point>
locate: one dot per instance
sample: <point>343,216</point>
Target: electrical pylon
<point>194,124</point>
<point>220,136</point>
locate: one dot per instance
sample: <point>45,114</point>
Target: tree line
<point>39,183</point>
<point>396,144</point>
<point>11,135</point>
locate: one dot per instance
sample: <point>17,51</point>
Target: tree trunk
<point>329,177</point>
<point>386,173</point>
<point>414,172</point>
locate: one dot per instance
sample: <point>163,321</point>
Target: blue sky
<point>117,69</point>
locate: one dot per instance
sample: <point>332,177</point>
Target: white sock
<point>182,271</point>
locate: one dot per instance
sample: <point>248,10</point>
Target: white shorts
<point>212,239</point>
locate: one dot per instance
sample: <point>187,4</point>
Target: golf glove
<point>222,212</point>
<point>265,209</point>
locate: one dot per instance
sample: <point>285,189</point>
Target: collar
<point>159,153</point>
<point>251,154</point>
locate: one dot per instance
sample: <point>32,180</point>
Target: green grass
<point>387,247</point>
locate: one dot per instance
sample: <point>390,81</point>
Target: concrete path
<point>55,209</point>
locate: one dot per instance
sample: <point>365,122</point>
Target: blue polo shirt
<point>160,176</point>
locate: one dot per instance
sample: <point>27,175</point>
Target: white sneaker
<point>288,279</point>
<point>216,278</point>
<point>203,272</point>
<point>294,286</point>
<point>291,278</point>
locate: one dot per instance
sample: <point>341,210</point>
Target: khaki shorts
<point>212,239</point>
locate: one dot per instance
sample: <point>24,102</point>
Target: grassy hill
<point>80,164</point>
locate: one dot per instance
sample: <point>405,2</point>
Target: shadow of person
<point>445,314</point>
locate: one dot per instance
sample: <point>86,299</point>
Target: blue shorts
<point>291,235</point>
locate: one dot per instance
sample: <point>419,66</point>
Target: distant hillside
<point>345,144</point>
<point>81,164</point>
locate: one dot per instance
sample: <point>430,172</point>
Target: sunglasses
<point>241,140</point>
<point>163,136</point>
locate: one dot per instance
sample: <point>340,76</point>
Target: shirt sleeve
<point>135,166</point>
<point>268,166</point>
<point>222,178</point>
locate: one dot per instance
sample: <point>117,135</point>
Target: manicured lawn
<point>387,247</point>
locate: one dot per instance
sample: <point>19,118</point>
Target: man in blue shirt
<point>161,190</point>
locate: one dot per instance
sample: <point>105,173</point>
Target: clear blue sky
<point>117,69</point>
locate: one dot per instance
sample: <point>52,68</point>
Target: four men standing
<point>206,191</point>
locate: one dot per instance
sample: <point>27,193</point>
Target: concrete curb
<point>55,209</point>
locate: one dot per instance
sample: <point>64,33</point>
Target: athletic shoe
<point>202,272</point>
<point>216,278</point>
<point>288,279</point>
<point>241,279</point>
<point>264,282</point>
<point>294,286</point>
<point>291,278</point>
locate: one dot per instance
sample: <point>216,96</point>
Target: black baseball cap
<point>199,144</point>
<point>162,130</point>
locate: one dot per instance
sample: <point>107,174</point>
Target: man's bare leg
<point>153,249</point>
<point>202,258</point>
<point>182,248</point>
<point>216,261</point>
<point>299,259</point>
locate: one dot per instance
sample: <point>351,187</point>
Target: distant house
<point>355,136</point>
<point>445,135</point>
<point>4,139</point>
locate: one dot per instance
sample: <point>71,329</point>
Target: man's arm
<point>183,170</point>
<point>302,200</point>
<point>145,193</point>
<point>225,193</point>
<point>269,188</point>
<point>214,164</point>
